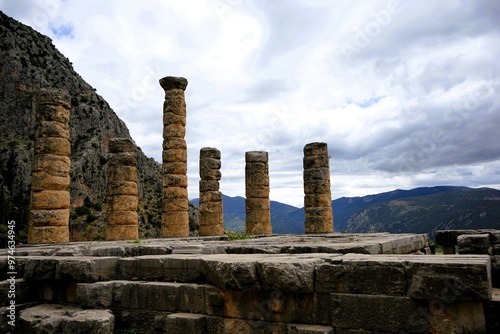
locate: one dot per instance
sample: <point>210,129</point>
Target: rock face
<point>50,197</point>
<point>121,199</point>
<point>258,206</point>
<point>318,196</point>
<point>211,209</point>
<point>175,219</point>
<point>29,62</point>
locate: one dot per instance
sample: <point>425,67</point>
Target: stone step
<point>18,290</point>
<point>54,318</point>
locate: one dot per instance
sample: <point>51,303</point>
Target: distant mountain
<point>419,210</point>
<point>459,208</point>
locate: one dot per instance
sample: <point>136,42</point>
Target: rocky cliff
<point>29,61</point>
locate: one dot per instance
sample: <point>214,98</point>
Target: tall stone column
<point>50,196</point>
<point>211,209</point>
<point>318,196</point>
<point>175,219</point>
<point>258,206</point>
<point>121,193</point>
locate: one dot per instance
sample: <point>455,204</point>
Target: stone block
<point>95,295</point>
<point>359,274</point>
<point>44,181</point>
<point>320,173</point>
<point>175,192</point>
<point>491,312</point>
<point>152,296</point>
<point>167,268</point>
<point>449,278</point>
<point>174,155</point>
<point>313,187</point>
<point>211,196</point>
<point>211,207</point>
<point>318,200</point>
<point>174,84</point>
<point>310,329</point>
<point>123,173</point>
<point>174,130</point>
<point>118,160</point>
<point>86,269</point>
<point>122,218</point>
<point>40,218</point>
<point>52,129</point>
<point>52,113</point>
<point>474,244</point>
<point>54,318</point>
<point>121,188</point>
<point>48,234</point>
<point>287,274</point>
<point>212,218</point>
<point>174,143</point>
<point>121,145</point>
<point>260,204</point>
<point>317,161</point>
<point>256,157</point>
<point>209,153</point>
<point>122,232</point>
<point>175,180</point>
<point>230,272</point>
<point>52,145</point>
<point>56,165</point>
<point>175,204</point>
<point>50,200</point>
<point>174,168</point>
<point>495,271</point>
<point>210,229</point>
<point>315,149</point>
<point>181,323</point>
<point>209,185</point>
<point>257,192</point>
<point>257,179</point>
<point>122,203</point>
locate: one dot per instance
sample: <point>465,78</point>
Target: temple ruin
<point>318,196</point>
<point>50,196</point>
<point>211,209</point>
<point>121,192</point>
<point>257,204</point>
<point>175,219</point>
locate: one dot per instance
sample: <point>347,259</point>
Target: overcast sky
<point>405,93</point>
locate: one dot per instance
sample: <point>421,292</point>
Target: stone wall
<point>275,284</point>
<point>50,196</point>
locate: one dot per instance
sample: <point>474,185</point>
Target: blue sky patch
<point>62,31</point>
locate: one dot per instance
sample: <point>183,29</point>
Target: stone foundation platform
<point>307,284</point>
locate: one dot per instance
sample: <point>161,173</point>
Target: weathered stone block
<point>211,174</point>
<point>52,145</point>
<point>168,268</point>
<point>174,143</point>
<point>174,155</point>
<point>174,168</point>
<point>86,269</point>
<point>175,230</point>
<point>257,192</point>
<point>122,232</point>
<point>319,219</point>
<point>287,274</point>
<point>95,295</point>
<point>318,200</point>
<point>211,196</point>
<point>124,173</point>
<point>310,329</point>
<point>210,153</point>
<point>495,271</point>
<point>122,145</point>
<point>312,187</point>
<point>173,83</point>
<point>207,225</point>
<point>230,272</point>
<point>50,200</point>
<point>260,204</point>
<point>122,159</point>
<point>362,275</point>
<point>54,97</point>
<point>315,149</point>
<point>449,278</point>
<point>175,192</point>
<point>43,181</point>
<point>174,130</point>
<point>181,323</point>
<point>174,204</point>
<point>121,188</point>
<point>175,180</point>
<point>48,234</point>
<point>211,207</point>
<point>209,185</point>
<point>39,218</point>
<point>321,173</point>
<point>256,157</point>
<point>316,162</point>
<point>474,244</point>
<point>122,203</point>
<point>56,165</point>
<point>52,129</point>
<point>171,118</point>
<point>122,218</point>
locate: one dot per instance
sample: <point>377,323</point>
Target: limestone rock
<point>257,204</point>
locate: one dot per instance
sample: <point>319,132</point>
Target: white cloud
<point>404,93</point>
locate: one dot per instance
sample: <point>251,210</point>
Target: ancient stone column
<point>175,219</point>
<point>211,209</point>
<point>121,192</point>
<point>258,206</point>
<point>318,196</point>
<point>50,196</point>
